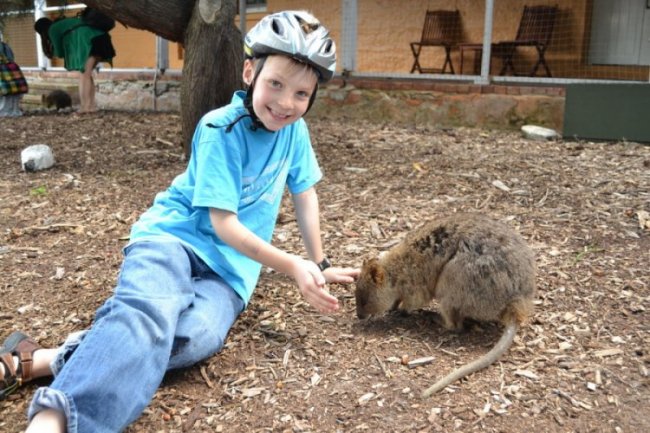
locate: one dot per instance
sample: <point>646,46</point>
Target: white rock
<point>37,157</point>
<point>539,133</point>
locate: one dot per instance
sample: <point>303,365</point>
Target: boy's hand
<point>311,283</point>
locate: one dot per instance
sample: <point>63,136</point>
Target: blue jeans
<point>169,310</point>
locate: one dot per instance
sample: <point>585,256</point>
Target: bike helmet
<point>297,34</point>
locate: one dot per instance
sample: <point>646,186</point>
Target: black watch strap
<point>324,264</point>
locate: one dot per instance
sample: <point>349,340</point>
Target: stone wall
<point>155,95</point>
<point>407,102</point>
<point>443,105</point>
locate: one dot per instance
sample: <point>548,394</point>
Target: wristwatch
<point>324,264</point>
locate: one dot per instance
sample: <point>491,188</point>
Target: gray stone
<point>37,157</point>
<point>539,133</point>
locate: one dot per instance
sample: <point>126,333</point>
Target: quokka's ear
<point>376,272</point>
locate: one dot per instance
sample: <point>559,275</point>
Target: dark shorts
<point>102,47</point>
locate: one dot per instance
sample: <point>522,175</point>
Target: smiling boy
<point>195,256</point>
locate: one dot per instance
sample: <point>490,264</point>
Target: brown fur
<point>57,98</point>
<point>474,266</point>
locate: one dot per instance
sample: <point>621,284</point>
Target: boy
<point>195,256</point>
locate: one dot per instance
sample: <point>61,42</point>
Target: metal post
<point>43,61</point>
<point>349,36</point>
<point>487,43</point>
<point>162,54</point>
<point>242,17</point>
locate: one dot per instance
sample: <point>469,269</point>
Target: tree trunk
<point>213,62</point>
<point>213,48</point>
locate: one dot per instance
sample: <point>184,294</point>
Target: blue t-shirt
<point>243,171</point>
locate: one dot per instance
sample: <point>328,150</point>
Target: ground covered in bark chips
<point>580,365</point>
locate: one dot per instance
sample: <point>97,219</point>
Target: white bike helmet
<point>297,34</point>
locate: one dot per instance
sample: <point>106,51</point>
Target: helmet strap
<point>248,100</point>
<point>312,98</point>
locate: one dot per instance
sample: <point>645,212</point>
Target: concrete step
<point>47,86</point>
<point>32,99</point>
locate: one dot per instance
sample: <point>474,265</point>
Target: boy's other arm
<point>307,275</point>
<point>308,217</point>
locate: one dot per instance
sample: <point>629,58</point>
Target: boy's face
<point>282,90</point>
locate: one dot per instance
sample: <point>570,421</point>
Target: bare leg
<point>41,365</point>
<point>47,421</point>
<point>87,87</point>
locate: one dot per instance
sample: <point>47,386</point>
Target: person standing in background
<point>12,83</point>
<point>82,47</point>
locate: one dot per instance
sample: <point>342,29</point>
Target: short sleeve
<point>305,171</point>
<point>217,165</point>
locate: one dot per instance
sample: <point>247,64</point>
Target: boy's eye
<point>276,84</point>
<point>303,94</point>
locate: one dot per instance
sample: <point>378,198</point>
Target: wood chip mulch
<point>580,365</point>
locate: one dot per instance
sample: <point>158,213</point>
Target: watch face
<point>324,264</point>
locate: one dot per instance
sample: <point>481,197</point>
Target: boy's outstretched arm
<point>305,272</point>
<point>308,216</point>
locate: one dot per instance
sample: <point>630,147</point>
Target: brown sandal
<point>23,347</point>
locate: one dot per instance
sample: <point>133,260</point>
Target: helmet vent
<point>306,26</point>
<point>277,27</point>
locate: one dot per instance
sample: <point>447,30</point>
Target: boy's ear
<point>248,72</point>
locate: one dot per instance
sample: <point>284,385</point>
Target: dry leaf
<point>500,185</point>
<point>366,398</point>
<point>418,167</point>
<point>608,352</point>
<point>252,392</point>
<point>420,361</point>
<point>59,273</point>
<point>527,373</point>
<point>644,219</point>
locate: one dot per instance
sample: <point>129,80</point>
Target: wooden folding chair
<point>441,29</point>
<point>535,30</point>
